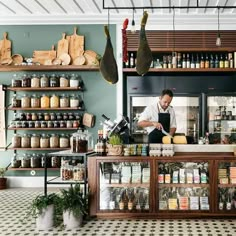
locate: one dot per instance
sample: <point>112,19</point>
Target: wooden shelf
<point>43,128</point>
<point>40,109</point>
<point>38,149</point>
<point>49,68</point>
<point>183,185</point>
<point>226,185</point>
<point>131,185</point>
<point>44,89</point>
<point>41,168</point>
<point>221,120</point>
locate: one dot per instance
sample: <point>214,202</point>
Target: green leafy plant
<point>2,172</point>
<point>115,140</point>
<point>73,200</point>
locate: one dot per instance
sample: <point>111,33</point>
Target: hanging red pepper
<point>124,40</point>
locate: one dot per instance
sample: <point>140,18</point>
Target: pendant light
<point>218,39</point>
<point>133,30</point>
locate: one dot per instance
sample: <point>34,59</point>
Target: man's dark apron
<point>156,135</point>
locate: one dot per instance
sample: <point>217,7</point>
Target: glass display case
<point>222,119</point>
<point>183,186</point>
<point>124,186</point>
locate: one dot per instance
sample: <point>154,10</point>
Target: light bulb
<point>218,41</point>
<point>133,30</point>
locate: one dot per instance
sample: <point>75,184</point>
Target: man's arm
<point>147,123</point>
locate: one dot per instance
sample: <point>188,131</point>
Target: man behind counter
<point>158,116</point>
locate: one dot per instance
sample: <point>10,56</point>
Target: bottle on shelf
<point>207,138</point>
<point>212,62</point>
<point>217,61</point>
<point>164,62</point>
<point>207,62</point>
<point>192,64</point>
<point>221,63</point>
<point>188,65</point>
<point>197,62</point>
<point>184,61</point>
<point>161,174</point>
<point>226,61</point>
<point>231,60</point>
<point>202,62</point>
<point>132,60</point>
<point>167,175</point>
<point>179,61</point>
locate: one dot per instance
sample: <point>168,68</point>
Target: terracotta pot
<point>3,183</point>
<point>115,150</point>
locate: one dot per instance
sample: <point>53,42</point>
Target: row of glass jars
<point>22,116</point>
<point>46,101</point>
<point>40,141</point>
<point>70,172</point>
<point>43,81</point>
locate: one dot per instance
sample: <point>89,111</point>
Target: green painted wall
<point>99,97</point>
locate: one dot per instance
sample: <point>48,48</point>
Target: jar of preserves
<point>37,124</point>
<point>35,101</point>
<point>16,141</point>
<point>25,141</point>
<point>45,101</point>
<point>40,116</point>
<point>52,116</point>
<point>54,81</point>
<point>64,82</point>
<point>59,116</point>
<point>28,116</point>
<point>25,101</point>
<point>15,163</point>
<point>34,116</point>
<point>15,82</point>
<point>54,101</point>
<point>43,124</point>
<point>64,141</point>
<point>35,81</point>
<point>31,124</point>
<point>65,116</point>
<point>35,161</point>
<point>35,141</point>
<point>74,101</point>
<point>26,81</point>
<point>75,124</point>
<point>78,117</point>
<point>74,82</point>
<point>54,141</point>
<point>46,116</point>
<point>69,124</point>
<point>44,81</point>
<point>44,141</point>
<point>64,101</point>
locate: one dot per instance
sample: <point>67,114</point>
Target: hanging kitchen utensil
<point>144,54</point>
<point>5,48</point>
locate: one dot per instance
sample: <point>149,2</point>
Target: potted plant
<point>115,146</point>
<point>3,180</point>
<point>45,209</point>
<point>74,205</point>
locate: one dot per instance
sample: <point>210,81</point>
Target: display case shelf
<point>43,128</point>
<point>45,89</point>
<point>226,185</point>
<point>128,185</point>
<point>41,169</point>
<point>46,109</point>
<point>183,185</point>
<point>38,149</point>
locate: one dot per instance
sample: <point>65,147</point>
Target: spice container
<point>25,162</point>
<point>62,124</point>
<point>74,82</point>
<point>71,116</point>
<point>44,141</point>
<point>34,116</point>
<point>52,116</point>
<point>50,124</point>
<point>26,81</point>
<point>15,163</point>
<point>54,141</point>
<point>44,81</point>
<point>28,116</point>
<point>54,81</point>
<point>18,124</point>
<point>68,124</point>
<point>56,124</point>
<point>35,161</point>
<point>46,159</point>
<point>65,116</point>
<point>59,116</point>
<point>37,124</point>
<point>54,101</point>
<point>40,116</point>
<point>25,124</point>
<point>64,101</point>
<point>35,81</point>
<point>45,101</point>
<point>31,124</point>
<point>25,101</point>
<point>35,141</point>
<point>64,141</point>
<point>56,162</point>
<point>43,124</point>
<point>25,141</point>
<point>16,102</point>
<point>15,82</point>
<point>74,101</point>
<point>64,82</point>
<point>22,116</point>
<point>46,116</point>
<point>16,141</point>
<point>35,101</point>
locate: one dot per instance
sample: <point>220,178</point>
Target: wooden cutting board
<point>62,45</point>
<point>76,45</point>
<point>5,48</point>
<point>42,56</point>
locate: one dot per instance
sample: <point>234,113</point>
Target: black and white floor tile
<point>14,204</point>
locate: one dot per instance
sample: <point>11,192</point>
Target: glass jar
<point>28,116</point>
<point>35,161</point>
<point>15,82</point>
<point>52,116</point>
<point>15,101</point>
<point>35,141</point>
<point>74,101</point>
<point>35,101</point>
<point>54,101</point>
<point>59,116</point>
<point>25,141</point>
<point>31,124</point>
<point>64,101</point>
<point>44,81</point>
<point>56,124</point>
<point>22,116</point>
<point>43,124</point>
<point>50,124</point>
<point>56,162</point>
<point>54,141</point>
<point>46,116</point>
<point>18,124</point>
<point>26,81</point>
<point>75,124</point>
<point>44,141</point>
<point>45,101</point>
<point>54,81</point>
<point>74,82</point>
<point>25,161</point>
<point>62,124</point>
<point>65,116</point>
<point>34,116</point>
<point>71,116</point>
<point>69,124</point>
<point>46,159</point>
<point>64,82</point>
<point>37,124</point>
<point>16,141</point>
<point>40,116</point>
<point>35,81</point>
<point>15,163</point>
<point>25,101</point>
<point>25,124</point>
<point>78,117</point>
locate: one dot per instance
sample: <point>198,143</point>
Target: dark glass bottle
<point>188,65</point>
<point>184,61</point>
<point>212,62</point>
<point>202,62</point>
<point>216,61</point>
<point>192,64</point>
<point>207,62</point>
<point>197,62</point>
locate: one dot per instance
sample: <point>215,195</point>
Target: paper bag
<point>88,120</point>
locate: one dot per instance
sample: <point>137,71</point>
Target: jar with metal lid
<point>16,141</point>
<point>44,81</point>
<point>46,159</point>
<point>46,116</point>
<point>34,116</point>
<point>69,124</point>
<point>37,124</point>
<point>56,162</point>
<point>25,124</point>
<point>44,124</point>
<point>78,117</point>
<point>52,116</point>
<point>75,124</point>
<point>35,81</point>
<point>64,141</point>
<point>18,124</point>
<point>45,101</point>
<point>15,162</point>
<point>54,141</point>
<point>25,161</point>
<point>25,101</point>
<point>15,101</point>
<point>22,116</point>
<point>64,82</point>
<point>74,82</point>
<point>64,101</point>
<point>59,116</point>
<point>40,116</point>
<point>54,101</point>
<point>28,116</point>
<point>50,124</point>
<point>65,116</point>
<point>15,82</point>
<point>35,141</point>
<point>35,161</point>
<point>54,81</point>
<point>74,101</point>
<point>25,141</point>
<point>26,81</point>
<point>31,124</point>
<point>12,124</point>
<point>71,116</point>
<point>62,124</point>
<point>56,124</point>
<point>44,141</point>
<point>35,101</point>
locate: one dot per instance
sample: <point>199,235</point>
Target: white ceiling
<point>17,12</point>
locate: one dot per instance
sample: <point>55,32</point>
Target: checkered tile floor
<point>14,203</point>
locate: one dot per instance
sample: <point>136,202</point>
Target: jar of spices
<point>16,141</point>
<point>35,101</point>
<point>59,116</point>
<point>15,82</point>
<point>18,124</point>
<point>43,124</point>
<point>68,124</point>
<point>35,141</point>
<point>74,101</point>
<point>46,159</point>
<point>74,82</point>
<point>56,162</point>
<point>64,101</point>
<point>52,116</point>
<point>54,101</point>
<point>62,124</point>
<point>54,81</point>
<point>64,82</point>
<point>15,101</point>
<point>50,124</point>
<point>25,124</point>
<point>35,81</point>
<point>31,124</point>
<point>64,141</point>
<point>34,116</point>
<point>25,161</point>
<point>25,101</point>
<point>35,161</point>
<point>37,124</point>
<point>71,116</point>
<point>26,81</point>
<point>28,116</point>
<point>54,141</point>
<point>46,116</point>
<point>78,117</point>
<point>75,124</point>
<point>25,141</point>
<point>45,101</point>
<point>15,163</point>
<point>65,116</point>
<point>44,141</point>
<point>44,81</point>
<point>22,116</point>
<point>40,116</point>
<point>56,124</point>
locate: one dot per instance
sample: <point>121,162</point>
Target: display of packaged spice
<point>64,81</point>
<point>35,81</point>
<point>44,81</point>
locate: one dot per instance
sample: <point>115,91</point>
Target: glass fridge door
<point>187,111</point>
<point>221,114</point>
